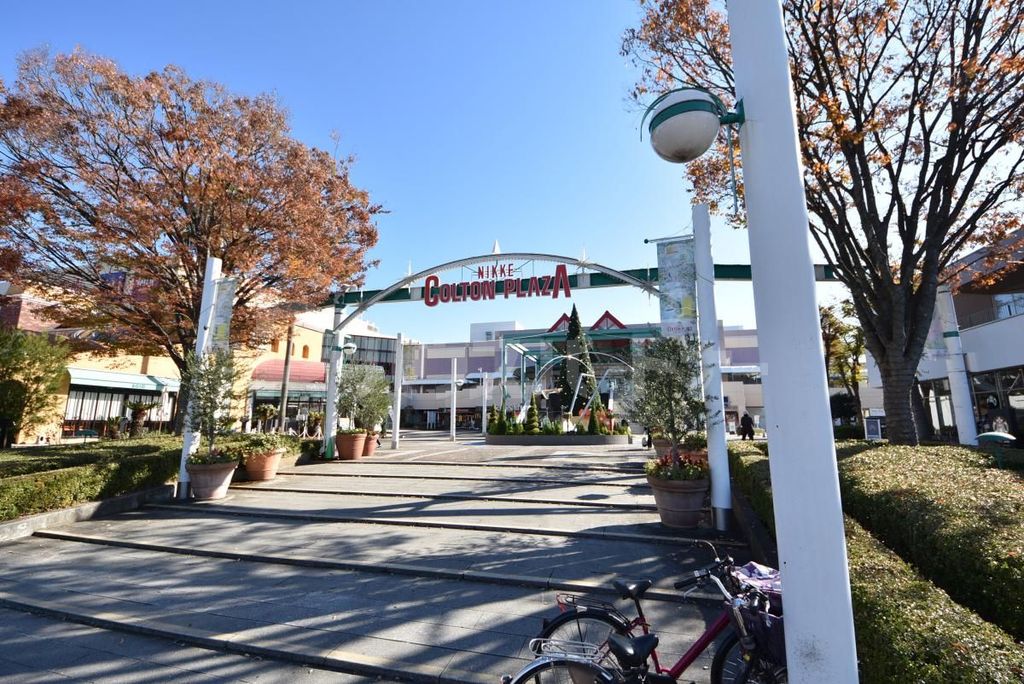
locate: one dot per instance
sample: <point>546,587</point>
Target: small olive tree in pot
<point>363,395</point>
<point>667,398</point>
<point>210,379</point>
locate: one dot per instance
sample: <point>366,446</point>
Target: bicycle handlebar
<point>702,573</point>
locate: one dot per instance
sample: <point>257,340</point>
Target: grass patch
<point>23,461</point>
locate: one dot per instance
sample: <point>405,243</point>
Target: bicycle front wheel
<point>563,671</point>
<point>729,666</point>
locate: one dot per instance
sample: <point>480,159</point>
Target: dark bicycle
<point>752,650</point>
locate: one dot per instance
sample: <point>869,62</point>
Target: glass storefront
<point>999,401</point>
<point>88,409</point>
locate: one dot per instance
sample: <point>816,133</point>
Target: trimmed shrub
<point>532,426</point>
<point>840,432</point>
<point>47,491</point>
<point>956,519</point>
<point>749,467</point>
<point>27,460</point>
<point>910,631</point>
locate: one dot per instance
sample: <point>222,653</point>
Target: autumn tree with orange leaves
<point>114,188</point>
<point>911,123</point>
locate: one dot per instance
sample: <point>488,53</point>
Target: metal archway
<point>486,258</point>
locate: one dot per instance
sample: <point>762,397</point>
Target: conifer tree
<point>532,426</point>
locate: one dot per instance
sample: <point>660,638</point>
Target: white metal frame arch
<point>486,258</point>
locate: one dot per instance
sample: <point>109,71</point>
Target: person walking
<point>746,426</point>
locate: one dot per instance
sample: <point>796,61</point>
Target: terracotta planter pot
<point>662,447</point>
<point>263,466</point>
<point>370,445</point>
<point>210,480</point>
<point>680,502</point>
<point>349,446</point>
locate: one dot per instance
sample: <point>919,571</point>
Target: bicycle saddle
<point>632,652</point>
<point>632,590</point>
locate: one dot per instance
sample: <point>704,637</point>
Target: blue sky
<point>469,121</point>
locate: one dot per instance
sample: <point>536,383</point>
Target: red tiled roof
<point>607,316</point>
<point>300,371</point>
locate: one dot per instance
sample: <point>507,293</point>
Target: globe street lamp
<point>820,644</point>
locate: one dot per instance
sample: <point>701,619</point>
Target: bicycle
<point>749,646</point>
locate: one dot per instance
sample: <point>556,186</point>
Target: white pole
<point>396,407</point>
<point>959,386</point>
<point>483,415</point>
<point>820,644</point>
<point>455,370</point>
<point>707,325</point>
<point>189,438</point>
<point>333,368</point>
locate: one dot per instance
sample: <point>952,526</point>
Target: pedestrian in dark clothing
<point>746,426</point>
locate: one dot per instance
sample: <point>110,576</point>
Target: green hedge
<point>749,468</point>
<point>56,489</point>
<point>959,521</point>
<point>910,631</point>
<point>24,460</point>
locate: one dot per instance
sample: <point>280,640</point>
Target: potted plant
<point>349,444</point>
<point>113,427</point>
<point>261,455</point>
<point>209,379</point>
<point>139,409</point>
<point>363,396</point>
<point>667,393</point>
<point>680,485</point>
<point>264,414</point>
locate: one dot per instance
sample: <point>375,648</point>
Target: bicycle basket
<point>768,632</point>
<point>764,579</point>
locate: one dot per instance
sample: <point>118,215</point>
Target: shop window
<point>305,351</point>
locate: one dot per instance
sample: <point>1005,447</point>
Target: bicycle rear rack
<point>581,603</point>
<point>569,649</point>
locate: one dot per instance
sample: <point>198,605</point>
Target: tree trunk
<point>898,382</point>
<point>180,409</point>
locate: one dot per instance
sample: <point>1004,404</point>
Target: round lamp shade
<point>684,124</point>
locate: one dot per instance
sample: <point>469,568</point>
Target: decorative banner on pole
<point>677,281</point>
<point>220,337</point>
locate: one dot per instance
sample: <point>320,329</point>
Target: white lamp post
<point>820,644</point>
<point>456,384</point>
<point>396,406</point>
<point>484,381</point>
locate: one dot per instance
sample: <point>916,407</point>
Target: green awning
<point>129,381</point>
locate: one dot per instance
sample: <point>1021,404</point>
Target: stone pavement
<point>435,563</point>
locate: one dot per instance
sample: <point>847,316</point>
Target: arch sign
<point>496,279</point>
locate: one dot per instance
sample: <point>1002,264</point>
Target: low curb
<point>531,581</point>
<point>556,440</point>
<point>464,478</point>
<point>454,497</point>
<point>629,469</point>
<point>240,511</point>
<point>30,524</point>
<point>338,661</point>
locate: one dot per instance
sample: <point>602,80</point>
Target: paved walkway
<point>436,563</point>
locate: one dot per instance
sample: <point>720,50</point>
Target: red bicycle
<point>752,605</point>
